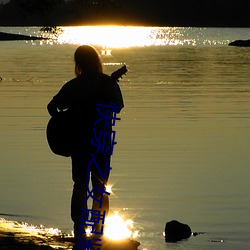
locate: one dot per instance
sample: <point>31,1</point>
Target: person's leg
<point>79,175</point>
<point>98,181</point>
<point>79,194</point>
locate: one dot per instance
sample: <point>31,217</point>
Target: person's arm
<point>115,95</point>
<point>61,100</point>
<point>52,108</point>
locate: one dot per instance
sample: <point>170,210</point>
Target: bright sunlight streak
<point>107,36</point>
<point>109,189</point>
<point>116,228</point>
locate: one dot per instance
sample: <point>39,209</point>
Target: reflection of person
<point>80,96</point>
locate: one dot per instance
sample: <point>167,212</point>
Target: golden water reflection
<point>116,228</point>
<point>123,36</point>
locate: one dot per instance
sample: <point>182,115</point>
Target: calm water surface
<point>183,139</point>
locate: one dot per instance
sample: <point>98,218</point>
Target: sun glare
<point>106,36</point>
<point>116,228</point>
<point>110,37</point>
<point>109,189</point>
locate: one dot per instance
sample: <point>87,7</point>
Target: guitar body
<point>62,132</point>
<point>59,133</point>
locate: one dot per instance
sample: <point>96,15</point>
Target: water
<point>183,139</point>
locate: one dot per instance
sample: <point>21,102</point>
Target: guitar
<point>60,127</point>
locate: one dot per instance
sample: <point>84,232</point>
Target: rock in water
<point>176,231</point>
<point>240,43</point>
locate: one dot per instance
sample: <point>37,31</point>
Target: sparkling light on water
<point>30,229</point>
<point>107,36</point>
<point>116,228</point>
<point>135,36</point>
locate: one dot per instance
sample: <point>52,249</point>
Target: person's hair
<point>87,60</point>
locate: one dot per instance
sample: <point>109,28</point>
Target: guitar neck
<point>119,73</point>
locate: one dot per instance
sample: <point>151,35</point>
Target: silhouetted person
<point>80,96</point>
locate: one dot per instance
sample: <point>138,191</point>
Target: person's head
<point>87,60</point>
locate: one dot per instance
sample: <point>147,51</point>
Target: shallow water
<point>183,139</point>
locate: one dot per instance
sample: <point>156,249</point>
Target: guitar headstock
<point>119,73</point>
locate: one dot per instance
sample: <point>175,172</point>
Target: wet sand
<point>9,241</point>
<point>15,236</point>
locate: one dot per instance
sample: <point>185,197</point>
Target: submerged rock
<point>240,43</point>
<point>176,231</point>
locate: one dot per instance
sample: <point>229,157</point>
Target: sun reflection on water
<point>117,228</point>
<point>28,228</point>
<point>107,36</point>
<point>110,37</point>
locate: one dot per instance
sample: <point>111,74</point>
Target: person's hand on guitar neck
<point>52,108</point>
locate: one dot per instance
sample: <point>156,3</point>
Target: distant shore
<point>15,37</point>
